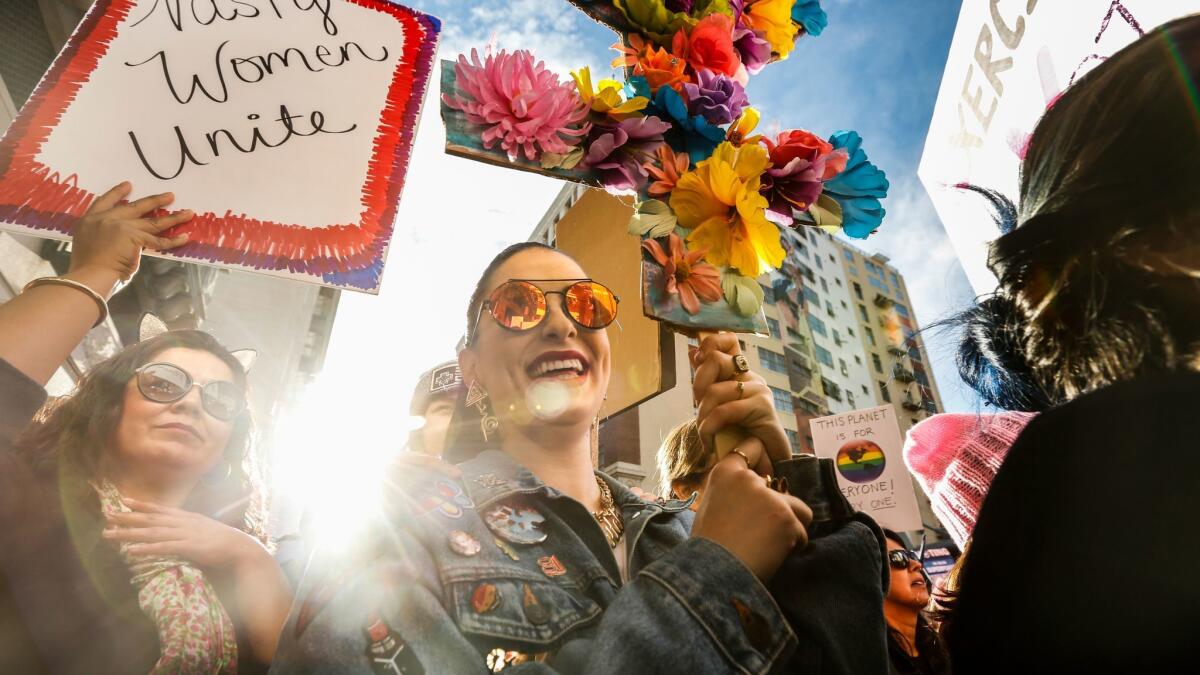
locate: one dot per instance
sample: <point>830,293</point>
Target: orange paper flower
<point>657,65</point>
<point>684,274</point>
<point>666,171</point>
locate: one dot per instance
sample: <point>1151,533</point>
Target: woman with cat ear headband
<point>131,515</point>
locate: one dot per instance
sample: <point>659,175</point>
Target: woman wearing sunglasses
<point>131,519</point>
<point>913,646</point>
<point>522,553</point>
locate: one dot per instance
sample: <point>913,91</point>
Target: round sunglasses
<point>519,305</point>
<point>167,383</point>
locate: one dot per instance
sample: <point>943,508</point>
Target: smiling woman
<point>523,552</point>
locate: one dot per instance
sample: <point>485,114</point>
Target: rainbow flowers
<point>680,134</point>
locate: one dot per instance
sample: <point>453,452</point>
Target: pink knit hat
<point>955,456</point>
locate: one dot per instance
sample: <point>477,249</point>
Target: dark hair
<point>68,437</point>
<point>1098,281</point>
<point>464,437</point>
<point>482,286</point>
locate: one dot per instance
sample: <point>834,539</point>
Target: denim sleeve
<point>696,609</point>
<point>832,590</point>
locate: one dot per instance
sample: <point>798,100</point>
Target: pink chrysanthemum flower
<point>526,108</point>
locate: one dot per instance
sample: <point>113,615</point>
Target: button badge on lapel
<point>516,523</point>
<point>388,654</point>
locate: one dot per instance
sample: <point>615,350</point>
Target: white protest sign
<point>1009,59</point>
<point>286,125</point>
<point>865,445</point>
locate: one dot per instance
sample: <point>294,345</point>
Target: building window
<point>793,334</point>
<point>802,249</point>
<point>832,259</point>
<point>862,313</point>
<point>824,286</point>
<point>849,255</point>
<point>850,398</point>
<point>838,282</point>
<point>773,328</point>
<point>831,389</point>
<point>844,368</point>
<point>817,326</point>
<point>870,335</point>
<point>837,339</point>
<point>901,310</point>
<point>878,284</point>
<point>866,392</point>
<point>829,309</point>
<point>768,294</point>
<point>850,331</point>
<point>883,392</point>
<point>808,274</point>
<point>853,271</point>
<point>811,296</point>
<point>773,361</point>
<point>877,363</point>
<point>783,400</point>
<point>858,359</point>
<point>794,441</point>
<point>824,356</point>
<point>742,344</point>
<point>895,280</point>
<point>858,291</point>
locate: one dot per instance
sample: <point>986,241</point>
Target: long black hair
<point>1099,279</point>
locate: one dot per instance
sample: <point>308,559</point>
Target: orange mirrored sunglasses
<point>519,305</point>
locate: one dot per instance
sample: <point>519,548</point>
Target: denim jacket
<point>443,585</point>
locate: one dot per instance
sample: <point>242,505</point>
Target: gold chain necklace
<point>610,522</point>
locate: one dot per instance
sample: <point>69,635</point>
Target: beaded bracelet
<point>59,281</point>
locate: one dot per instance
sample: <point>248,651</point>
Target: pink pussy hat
<point>955,456</point>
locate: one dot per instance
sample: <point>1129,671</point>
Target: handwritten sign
<point>286,125</point>
<point>866,448</point>
<point>1009,59</point>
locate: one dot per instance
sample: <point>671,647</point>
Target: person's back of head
<point>682,461</point>
<point>1100,278</point>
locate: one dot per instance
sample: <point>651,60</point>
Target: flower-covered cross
<point>679,133</point>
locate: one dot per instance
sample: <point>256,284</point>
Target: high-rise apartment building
<point>841,336</point>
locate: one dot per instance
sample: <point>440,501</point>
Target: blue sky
<point>876,69</point>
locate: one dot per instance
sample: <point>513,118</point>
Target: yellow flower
<point>720,203</point>
<point>606,99</point>
<point>773,18</point>
<point>739,132</point>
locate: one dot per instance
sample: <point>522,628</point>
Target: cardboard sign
<point>866,448</point>
<point>286,125</point>
<point>1008,61</point>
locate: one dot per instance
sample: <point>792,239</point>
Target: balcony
<point>904,375</point>
<point>911,404</point>
<point>897,351</point>
<point>883,302</point>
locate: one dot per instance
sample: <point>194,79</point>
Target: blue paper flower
<point>689,133</point>
<point>858,189</point>
<point>808,13</point>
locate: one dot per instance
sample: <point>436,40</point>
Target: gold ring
<point>741,389</point>
<point>740,364</point>
<point>742,455</point>
<point>770,481</point>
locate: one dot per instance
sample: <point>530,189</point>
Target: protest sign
<point>866,448</point>
<point>1008,61</point>
<point>286,125</point>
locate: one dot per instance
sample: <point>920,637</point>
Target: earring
<point>595,442</point>
<point>477,397</point>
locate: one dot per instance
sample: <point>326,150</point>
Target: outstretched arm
<point>40,327</point>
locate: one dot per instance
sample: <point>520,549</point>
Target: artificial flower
<point>666,171</point>
<point>658,66</point>
<point>618,152</point>
<point>858,188</point>
<point>808,13</point>
<point>709,46</point>
<point>654,19</point>
<point>524,106</point>
<point>606,99</point>
<point>689,133</point>
<point>800,162</point>
<point>720,203</point>
<point>754,50</point>
<point>684,273</point>
<point>773,19</point>
<point>741,130</point>
<point>684,6</point>
<point>715,97</point>
<point>732,8</point>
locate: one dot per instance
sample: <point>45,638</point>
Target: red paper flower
<point>710,45</point>
<point>684,273</point>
